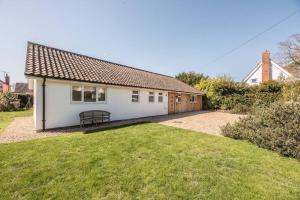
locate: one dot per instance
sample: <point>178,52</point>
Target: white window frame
<point>254,80</point>
<point>195,98</point>
<point>72,94</point>
<point>138,94</point>
<point>160,94</point>
<point>86,86</point>
<point>177,98</point>
<point>97,94</point>
<point>82,94</point>
<point>151,95</point>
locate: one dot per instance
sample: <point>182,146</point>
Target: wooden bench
<point>94,117</point>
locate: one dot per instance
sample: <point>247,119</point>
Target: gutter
<point>111,84</point>
<point>44,104</point>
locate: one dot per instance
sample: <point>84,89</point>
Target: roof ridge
<point>66,51</point>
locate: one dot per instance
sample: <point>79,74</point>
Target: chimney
<point>266,66</point>
<point>7,79</point>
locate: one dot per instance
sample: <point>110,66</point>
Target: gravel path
<point>21,128</point>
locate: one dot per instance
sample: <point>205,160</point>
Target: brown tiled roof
<point>44,61</point>
<point>22,88</point>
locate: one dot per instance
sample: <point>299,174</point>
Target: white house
<point>266,70</point>
<point>67,83</point>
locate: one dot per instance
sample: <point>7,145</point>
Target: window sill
<point>82,102</point>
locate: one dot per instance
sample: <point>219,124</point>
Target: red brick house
<point>5,85</point>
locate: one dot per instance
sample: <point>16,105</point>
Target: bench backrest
<point>93,113</point>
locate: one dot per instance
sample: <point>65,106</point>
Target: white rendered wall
<point>275,74</point>
<point>61,112</point>
<point>256,75</point>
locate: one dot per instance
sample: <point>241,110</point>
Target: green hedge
<point>230,95</point>
<point>276,128</point>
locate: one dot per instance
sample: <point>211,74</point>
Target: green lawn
<point>145,161</point>
<point>7,117</point>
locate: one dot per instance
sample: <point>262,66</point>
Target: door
<point>171,103</point>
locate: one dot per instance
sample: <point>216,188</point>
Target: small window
<point>101,94</point>
<point>178,98</point>
<point>135,96</point>
<point>254,80</point>
<point>160,97</point>
<point>151,97</point>
<point>89,94</point>
<point>193,99</point>
<point>76,93</point>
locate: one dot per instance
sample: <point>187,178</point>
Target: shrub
<point>276,128</point>
<point>190,78</point>
<point>291,91</point>
<point>240,109</point>
<point>219,91</point>
<point>8,102</point>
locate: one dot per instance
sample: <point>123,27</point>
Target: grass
<point>145,161</point>
<point>7,117</point>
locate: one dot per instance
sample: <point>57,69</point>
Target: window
<point>160,97</point>
<point>89,94</point>
<point>254,80</point>
<point>135,96</point>
<point>101,94</point>
<point>76,93</point>
<point>151,97</point>
<point>193,99</point>
<point>178,98</point>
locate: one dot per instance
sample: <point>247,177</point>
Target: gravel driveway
<point>203,121</point>
<point>208,122</point>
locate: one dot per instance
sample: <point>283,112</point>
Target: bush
<point>8,102</point>
<point>276,128</point>
<point>190,78</point>
<point>291,91</point>
<point>226,94</point>
<point>219,92</point>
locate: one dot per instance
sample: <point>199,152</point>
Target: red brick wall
<point>5,87</point>
<point>266,66</point>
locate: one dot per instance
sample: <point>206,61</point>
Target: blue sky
<point>161,36</point>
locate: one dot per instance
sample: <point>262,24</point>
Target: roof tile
<point>44,61</point>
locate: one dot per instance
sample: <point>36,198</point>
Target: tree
<point>290,48</point>
<point>190,78</point>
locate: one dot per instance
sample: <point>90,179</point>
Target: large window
<point>88,94</point>
<point>151,97</point>
<point>160,97</point>
<point>135,96</point>
<point>193,99</point>
<point>76,93</point>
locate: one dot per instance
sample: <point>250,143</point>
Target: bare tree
<point>291,50</point>
<point>290,54</point>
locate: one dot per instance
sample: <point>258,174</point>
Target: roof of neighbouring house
<point>44,61</point>
<point>259,64</point>
<point>22,88</point>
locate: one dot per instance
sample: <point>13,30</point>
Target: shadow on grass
<point>115,127</point>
